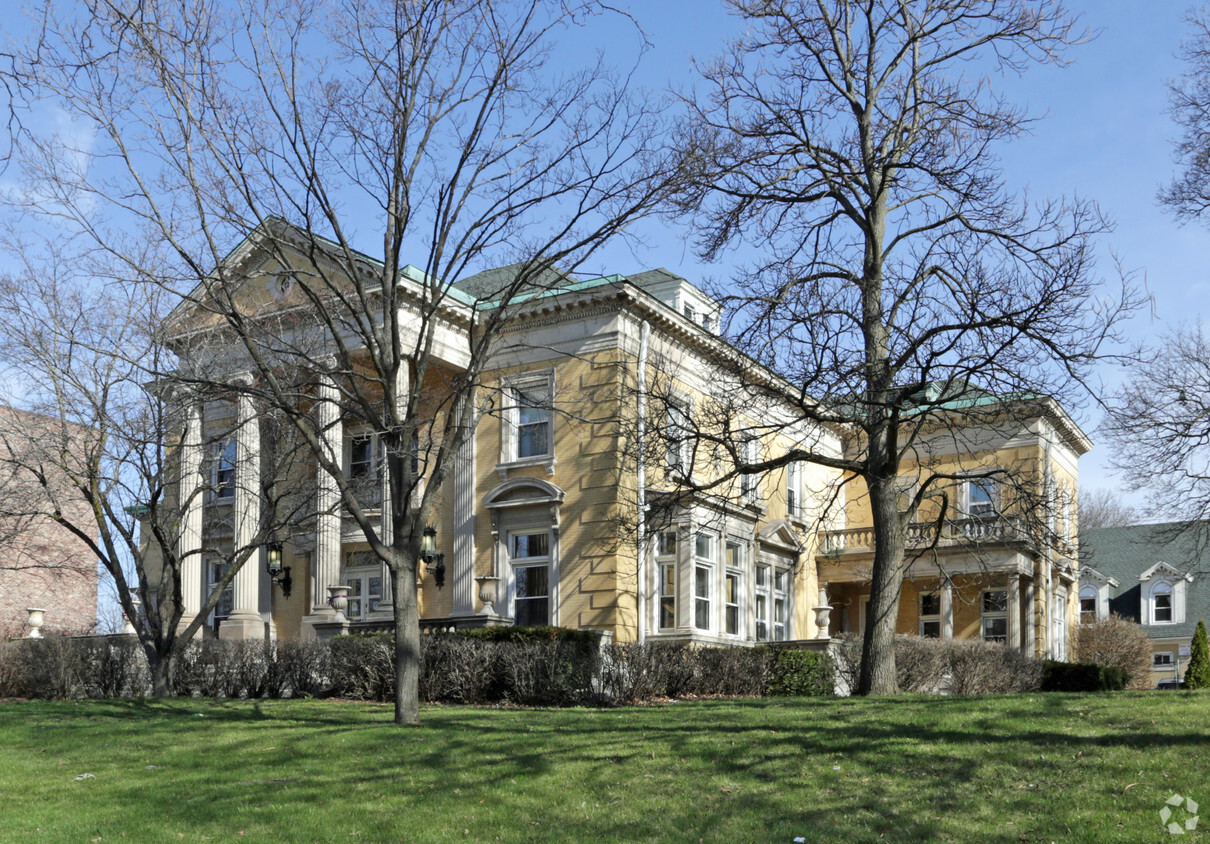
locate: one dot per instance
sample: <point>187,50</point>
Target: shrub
<point>635,671</point>
<point>1081,677</point>
<point>1197,674</point>
<point>455,669</point>
<point>936,665</point>
<point>363,666</point>
<point>799,672</point>
<point>299,669</point>
<point>1120,643</point>
<point>921,665</point>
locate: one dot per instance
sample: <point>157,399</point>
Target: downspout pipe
<point>641,479</point>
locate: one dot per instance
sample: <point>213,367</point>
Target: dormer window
<point>1161,604</point>
<point>1163,595</point>
<point>1088,605</point>
<point>689,313</point>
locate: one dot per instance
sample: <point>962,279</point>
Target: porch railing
<point>954,532</point>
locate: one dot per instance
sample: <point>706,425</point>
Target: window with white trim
<point>930,615</point>
<point>364,467</point>
<point>733,591</point>
<point>1058,625</point>
<point>1161,603</point>
<point>794,490</point>
<point>528,420</point>
<point>749,484</point>
<point>1088,604</point>
<point>529,553</point>
<point>763,601</point>
<point>222,478</point>
<point>215,572</point>
<point>781,604</point>
<point>666,546</point>
<point>1163,659</point>
<point>979,498</point>
<point>703,580</point>
<point>677,438</point>
<point>993,615</point>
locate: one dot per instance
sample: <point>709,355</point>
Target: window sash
<point>701,597</point>
<point>762,618</point>
<point>1162,611</point>
<point>930,615</point>
<point>667,608</point>
<point>224,470</point>
<point>532,598</point>
<point>528,419</point>
<point>676,425</point>
<point>226,601</point>
<point>794,490</point>
<point>994,616</point>
<point>731,593</point>
<point>980,501</point>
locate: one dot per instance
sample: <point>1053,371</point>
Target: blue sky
<point>1106,136</point>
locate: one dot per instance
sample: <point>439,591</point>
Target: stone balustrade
<point>954,532</point>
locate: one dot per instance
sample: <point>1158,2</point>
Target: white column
<point>327,499</point>
<point>1014,611</point>
<point>245,621</point>
<point>1031,640</point>
<point>463,569</point>
<point>189,542</point>
<point>947,610</point>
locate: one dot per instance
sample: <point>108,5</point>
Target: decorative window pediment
<point>780,535</point>
<point>1164,570</point>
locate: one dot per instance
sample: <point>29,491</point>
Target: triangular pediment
<point>1162,569</point>
<point>1091,575</point>
<point>780,534</point>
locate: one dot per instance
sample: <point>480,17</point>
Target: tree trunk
<point>407,645</point>
<point>163,673</point>
<point>878,674</point>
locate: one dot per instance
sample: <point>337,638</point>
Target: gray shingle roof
<point>1124,553</point>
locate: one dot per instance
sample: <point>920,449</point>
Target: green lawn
<point>1022,768</point>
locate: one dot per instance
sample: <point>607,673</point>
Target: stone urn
<point>35,621</point>
<point>823,618</point>
<point>338,599</point>
<point>487,593</point>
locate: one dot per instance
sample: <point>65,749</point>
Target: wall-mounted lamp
<point>277,573</point>
<point>433,561</point>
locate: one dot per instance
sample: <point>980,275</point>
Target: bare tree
<point>901,289</point>
<point>1102,508</point>
<point>90,449</point>
<point>1159,428</point>
<point>1188,194</point>
<point>439,133</point>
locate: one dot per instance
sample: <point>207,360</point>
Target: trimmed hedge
<point>541,666</point>
<point>1081,677</point>
<point>933,666</point>
<point>802,673</point>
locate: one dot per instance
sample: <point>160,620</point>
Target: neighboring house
<point>42,564</point>
<point>1153,575</point>
<point>989,570</point>
<point>529,524</point>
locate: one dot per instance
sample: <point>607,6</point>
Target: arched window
<point>1088,605</point>
<point>525,522</point>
